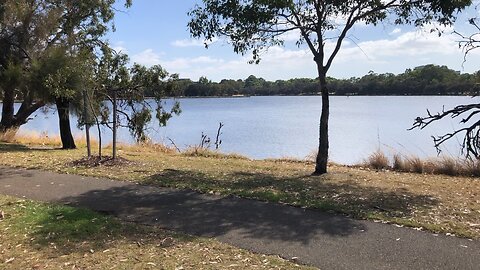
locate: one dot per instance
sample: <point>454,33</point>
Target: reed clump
<point>378,161</point>
<point>413,164</point>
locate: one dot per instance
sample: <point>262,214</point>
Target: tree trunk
<point>322,157</point>
<point>8,110</point>
<point>64,121</point>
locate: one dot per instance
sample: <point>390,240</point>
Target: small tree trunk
<point>87,124</point>
<point>64,120</point>
<point>322,157</point>
<point>114,131</point>
<point>8,110</point>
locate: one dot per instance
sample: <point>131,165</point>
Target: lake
<point>274,127</point>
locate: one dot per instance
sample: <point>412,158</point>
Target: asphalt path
<point>315,238</point>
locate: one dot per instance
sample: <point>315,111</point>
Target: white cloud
<point>393,54</point>
<point>408,45</point>
<point>293,35</point>
<point>120,47</point>
<point>185,43</point>
<point>147,57</point>
<point>277,60</point>
<point>395,31</point>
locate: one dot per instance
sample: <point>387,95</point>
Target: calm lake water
<point>273,127</point>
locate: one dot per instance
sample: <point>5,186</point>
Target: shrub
<point>398,163</point>
<point>378,160</point>
<point>448,166</point>
<point>414,164</point>
<point>471,168</point>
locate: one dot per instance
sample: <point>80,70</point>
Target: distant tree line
<point>422,80</point>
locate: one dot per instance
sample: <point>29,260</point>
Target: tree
<point>58,77</point>
<point>29,30</point>
<point>254,25</point>
<point>468,113</point>
<point>126,88</point>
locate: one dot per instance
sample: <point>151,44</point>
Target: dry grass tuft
<point>414,164</point>
<point>448,166</point>
<point>146,146</point>
<point>41,139</point>
<point>378,161</point>
<point>35,138</point>
<point>196,151</point>
<point>398,163</point>
<point>312,157</point>
<point>471,168</point>
<point>8,136</point>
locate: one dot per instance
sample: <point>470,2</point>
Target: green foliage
<point>139,90</point>
<point>60,74</point>
<point>253,25</point>
<point>44,40</point>
<point>11,75</point>
<point>422,80</point>
<point>138,122</point>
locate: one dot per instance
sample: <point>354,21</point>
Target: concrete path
<point>323,240</point>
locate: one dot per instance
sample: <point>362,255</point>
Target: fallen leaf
<point>166,242</point>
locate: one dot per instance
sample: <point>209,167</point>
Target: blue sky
<point>155,32</point>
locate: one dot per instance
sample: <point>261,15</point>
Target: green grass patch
<point>46,236</point>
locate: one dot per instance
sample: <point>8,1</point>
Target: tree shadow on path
<point>217,216</point>
<point>213,216</point>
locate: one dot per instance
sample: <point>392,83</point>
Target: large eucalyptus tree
<point>255,25</point>
<point>32,31</point>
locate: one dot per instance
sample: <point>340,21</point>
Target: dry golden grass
<point>378,160</point>
<point>41,139</point>
<point>398,163</point>
<point>447,166</point>
<point>196,151</point>
<point>44,236</point>
<point>146,146</point>
<point>413,164</point>
<point>438,203</point>
<point>8,136</point>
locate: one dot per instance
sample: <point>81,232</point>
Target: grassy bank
<point>437,203</point>
<point>43,236</point>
